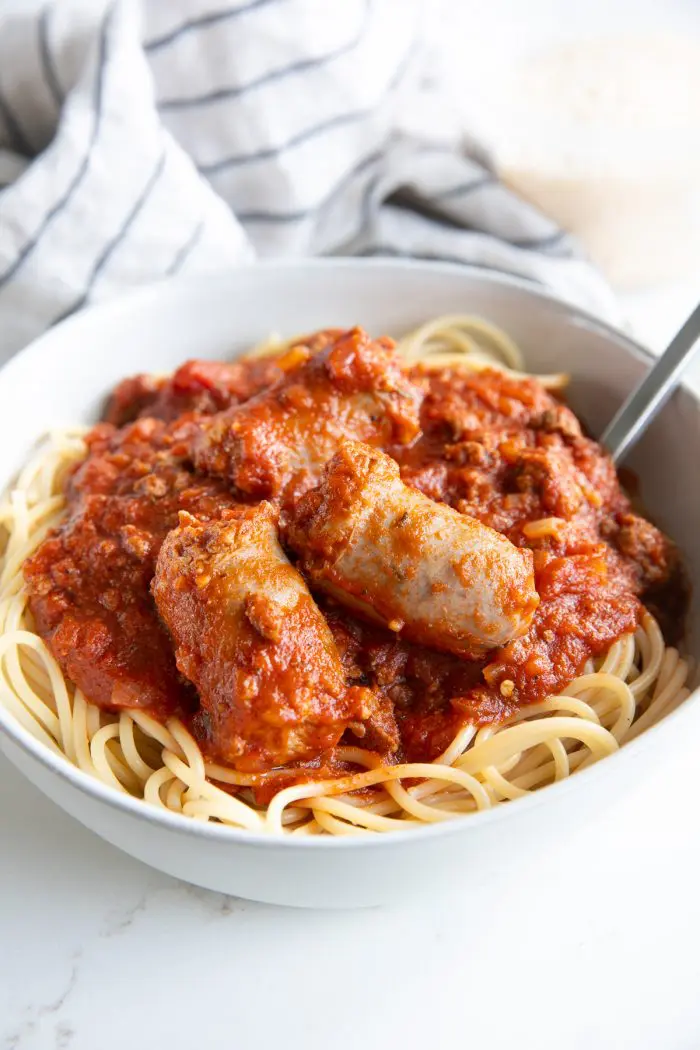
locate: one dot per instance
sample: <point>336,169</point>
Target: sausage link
<point>437,576</point>
<point>251,639</point>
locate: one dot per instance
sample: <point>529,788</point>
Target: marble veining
<point>38,1013</point>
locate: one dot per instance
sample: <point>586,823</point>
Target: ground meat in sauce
<point>500,449</point>
<point>89,581</point>
<point>199,387</point>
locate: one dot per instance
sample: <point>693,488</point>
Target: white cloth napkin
<point>143,140</point>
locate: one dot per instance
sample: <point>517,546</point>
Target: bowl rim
<point>84,783</point>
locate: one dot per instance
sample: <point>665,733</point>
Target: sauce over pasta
<point>206,568</point>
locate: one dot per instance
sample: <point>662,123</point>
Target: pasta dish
<point>340,585</point>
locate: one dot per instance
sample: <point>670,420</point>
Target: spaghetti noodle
<point>634,684</point>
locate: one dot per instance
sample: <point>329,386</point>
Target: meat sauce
<point>501,450</point>
<point>89,581</point>
<point>507,453</point>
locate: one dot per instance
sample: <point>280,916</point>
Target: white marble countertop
<point>591,945</point>
<point>594,944</point>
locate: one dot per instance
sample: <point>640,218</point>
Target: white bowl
<point>64,377</point>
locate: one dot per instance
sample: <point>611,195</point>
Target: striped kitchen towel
<point>140,140</point>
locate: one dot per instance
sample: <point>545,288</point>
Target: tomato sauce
<point>499,449</point>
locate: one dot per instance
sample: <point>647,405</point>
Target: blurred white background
<point>628,85</point>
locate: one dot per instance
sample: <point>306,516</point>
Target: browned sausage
<point>439,577</point>
<point>249,636</point>
<point>277,443</point>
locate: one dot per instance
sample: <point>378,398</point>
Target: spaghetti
<point>619,695</point>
